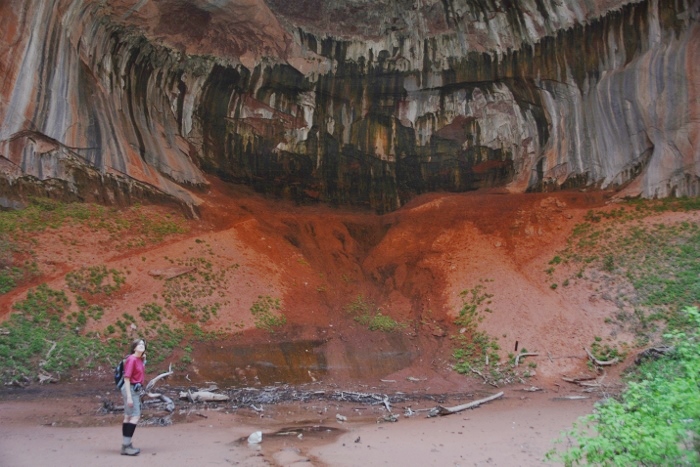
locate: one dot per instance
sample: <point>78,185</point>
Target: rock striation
<point>349,102</point>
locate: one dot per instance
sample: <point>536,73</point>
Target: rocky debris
<point>257,398</point>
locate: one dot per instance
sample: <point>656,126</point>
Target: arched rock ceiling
<point>266,28</point>
<point>354,102</point>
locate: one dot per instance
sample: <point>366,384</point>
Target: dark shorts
<point>134,411</point>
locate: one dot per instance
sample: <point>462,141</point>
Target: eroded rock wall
<point>352,102</point>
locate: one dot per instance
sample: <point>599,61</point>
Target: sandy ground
<point>516,430</point>
<point>413,264</point>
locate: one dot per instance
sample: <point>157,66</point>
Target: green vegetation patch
<point>200,293</point>
<point>649,271</point>
<point>45,213</point>
<point>656,421</point>
<point>126,228</point>
<point>95,280</point>
<point>45,335</point>
<point>38,337</point>
<point>475,352</point>
<point>474,349</point>
<point>267,313</point>
<point>366,313</point>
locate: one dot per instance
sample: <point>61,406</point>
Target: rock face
<point>349,102</point>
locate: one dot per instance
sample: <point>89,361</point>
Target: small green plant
<point>360,306</point>
<point>267,313</point>
<point>380,322</point>
<point>366,313</point>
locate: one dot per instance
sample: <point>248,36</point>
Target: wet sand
<point>516,430</point>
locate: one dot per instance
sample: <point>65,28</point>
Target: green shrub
<point>37,338</point>
<point>366,313</point>
<point>655,421</point>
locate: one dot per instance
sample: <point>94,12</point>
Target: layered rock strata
<point>348,102</point>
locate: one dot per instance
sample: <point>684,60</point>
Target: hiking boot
<point>130,450</point>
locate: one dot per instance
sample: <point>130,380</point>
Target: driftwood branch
<point>440,410</point>
<point>526,354</point>
<point>169,404</point>
<point>203,396</point>
<point>601,362</point>
<point>386,403</point>
<point>153,382</point>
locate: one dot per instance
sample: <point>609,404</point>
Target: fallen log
<point>440,410</point>
<point>416,380</point>
<point>203,396</point>
<point>169,404</point>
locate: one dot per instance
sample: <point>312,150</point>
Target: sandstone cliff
<point>347,101</point>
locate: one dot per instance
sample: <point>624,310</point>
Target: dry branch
<point>440,410</point>
<point>527,354</point>
<point>169,404</point>
<point>386,403</point>
<point>578,379</point>
<point>486,380</point>
<point>601,362</point>
<point>153,382</point>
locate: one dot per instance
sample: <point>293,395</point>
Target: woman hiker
<point>134,373</point>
